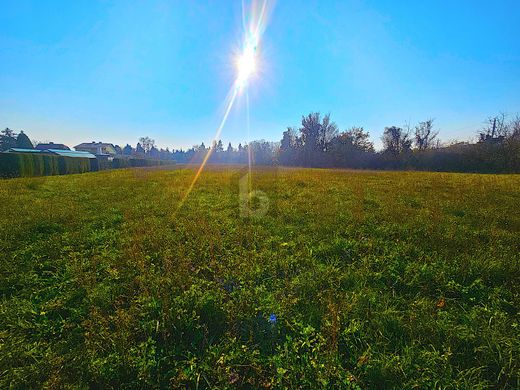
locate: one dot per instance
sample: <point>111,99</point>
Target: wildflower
<point>233,377</point>
<point>272,319</point>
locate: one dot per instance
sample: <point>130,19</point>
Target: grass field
<point>346,279</point>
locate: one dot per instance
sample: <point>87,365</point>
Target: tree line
<point>318,142</point>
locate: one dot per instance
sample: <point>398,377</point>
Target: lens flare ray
<point>209,152</point>
<point>246,67</point>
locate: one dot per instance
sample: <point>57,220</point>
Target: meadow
<point>342,279</point>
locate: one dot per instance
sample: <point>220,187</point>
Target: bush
<point>121,163</point>
<point>138,162</point>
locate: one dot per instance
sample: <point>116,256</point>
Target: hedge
<point>28,164</point>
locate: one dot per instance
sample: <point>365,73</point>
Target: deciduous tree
<point>396,141</point>
<point>425,135</point>
<point>147,144</point>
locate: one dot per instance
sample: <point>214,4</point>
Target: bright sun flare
<point>246,63</point>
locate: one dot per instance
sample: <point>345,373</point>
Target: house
<point>52,145</point>
<point>97,148</point>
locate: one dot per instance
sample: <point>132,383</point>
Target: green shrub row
<point>26,164</point>
<point>138,162</point>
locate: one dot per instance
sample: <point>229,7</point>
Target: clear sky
<point>79,71</point>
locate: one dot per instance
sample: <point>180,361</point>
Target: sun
<point>246,63</point>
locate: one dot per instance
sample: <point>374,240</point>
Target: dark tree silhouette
<point>289,147</point>
<point>316,135</point>
<point>139,150</point>
<point>360,139</point>
<point>425,135</point>
<point>147,144</point>
<point>351,148</point>
<point>127,150</point>
<point>154,153</point>
<point>22,141</point>
<point>396,141</point>
<point>327,131</point>
<point>495,129</point>
<point>514,128</point>
<point>7,139</point>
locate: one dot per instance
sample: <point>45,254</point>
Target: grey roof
<point>90,144</point>
<point>59,152</point>
<point>70,153</point>
<point>52,145</point>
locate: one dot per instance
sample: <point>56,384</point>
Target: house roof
<point>52,145</point>
<point>93,144</point>
<point>70,153</point>
<point>58,152</point>
<point>21,150</point>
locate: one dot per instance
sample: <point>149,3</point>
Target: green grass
<point>376,279</point>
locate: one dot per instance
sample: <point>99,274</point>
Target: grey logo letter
<point>252,203</point>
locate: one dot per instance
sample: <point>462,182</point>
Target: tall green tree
<point>22,141</point>
<point>316,134</point>
<point>350,148</point>
<point>7,139</point>
<point>289,147</point>
<point>396,141</point>
<point>360,139</point>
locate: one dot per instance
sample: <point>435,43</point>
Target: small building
<point>52,145</point>
<point>97,148</point>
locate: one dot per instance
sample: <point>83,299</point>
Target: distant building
<point>52,145</point>
<point>97,148</point>
<point>490,139</point>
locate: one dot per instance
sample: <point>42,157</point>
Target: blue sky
<point>78,71</point>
